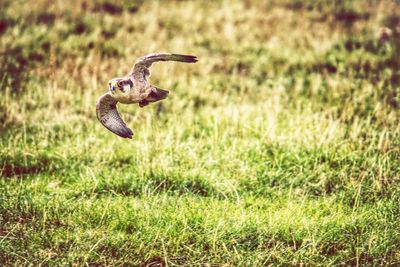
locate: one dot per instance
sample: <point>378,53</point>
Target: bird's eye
<point>130,83</point>
<point>120,83</point>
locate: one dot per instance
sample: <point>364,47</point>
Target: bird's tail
<point>157,94</point>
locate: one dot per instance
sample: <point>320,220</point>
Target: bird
<point>133,88</point>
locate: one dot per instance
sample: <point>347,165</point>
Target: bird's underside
<point>134,88</point>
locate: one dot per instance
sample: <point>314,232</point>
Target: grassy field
<point>281,146</point>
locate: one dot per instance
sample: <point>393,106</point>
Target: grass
<point>281,146</point>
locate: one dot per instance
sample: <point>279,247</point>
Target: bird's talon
<point>143,103</point>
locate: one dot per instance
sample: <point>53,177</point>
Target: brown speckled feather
<point>140,69</point>
<point>107,113</point>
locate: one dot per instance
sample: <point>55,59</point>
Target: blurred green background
<point>280,146</point>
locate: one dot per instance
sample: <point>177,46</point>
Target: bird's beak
<point>113,87</point>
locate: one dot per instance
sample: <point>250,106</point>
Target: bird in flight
<point>131,89</point>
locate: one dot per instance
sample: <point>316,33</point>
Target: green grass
<point>281,146</point>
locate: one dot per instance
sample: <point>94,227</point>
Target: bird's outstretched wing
<point>107,113</point>
<point>142,64</point>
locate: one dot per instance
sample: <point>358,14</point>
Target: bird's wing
<point>142,64</point>
<point>107,113</point>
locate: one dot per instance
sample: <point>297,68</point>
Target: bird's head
<point>120,86</point>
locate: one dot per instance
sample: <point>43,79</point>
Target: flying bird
<point>133,89</point>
